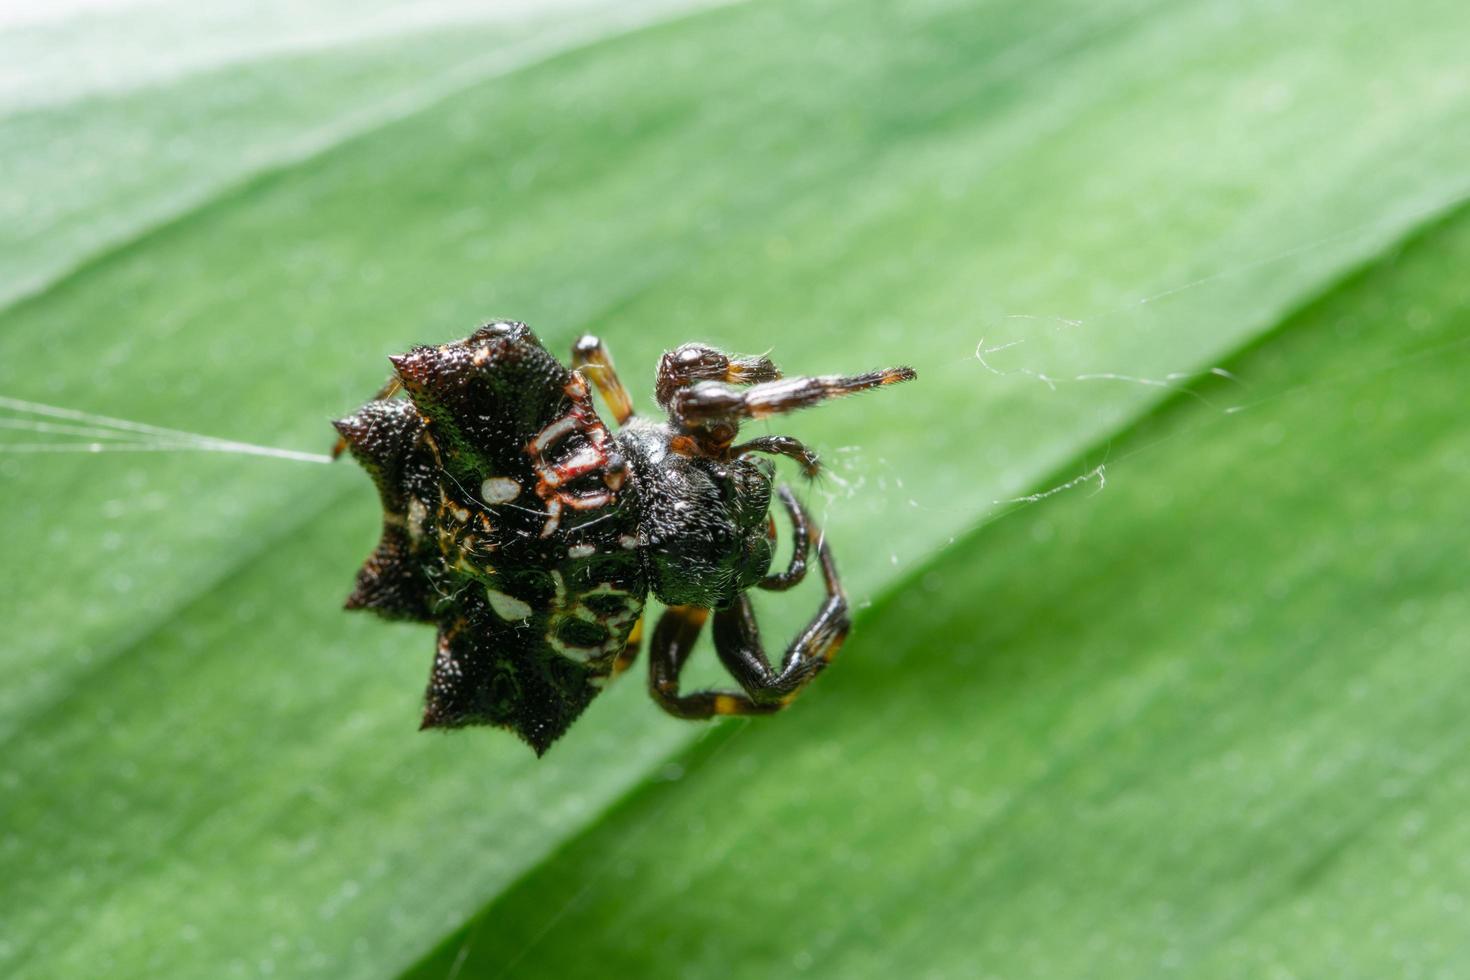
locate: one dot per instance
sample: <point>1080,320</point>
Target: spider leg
<point>629,653</point>
<point>707,404</point>
<point>673,642</point>
<point>801,545</point>
<point>390,388</point>
<point>591,358</point>
<point>737,642</point>
<point>690,363</point>
<point>782,446</point>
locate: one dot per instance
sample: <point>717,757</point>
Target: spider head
<point>704,527</point>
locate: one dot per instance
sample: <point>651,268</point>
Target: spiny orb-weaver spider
<point>531,534</point>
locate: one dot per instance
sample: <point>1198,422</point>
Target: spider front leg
<point>709,404</point>
<point>786,446</point>
<point>591,358</point>
<point>738,645</point>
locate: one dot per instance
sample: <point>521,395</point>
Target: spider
<point>531,534</point>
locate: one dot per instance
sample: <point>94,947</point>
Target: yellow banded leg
<point>629,653</point>
<point>591,358</point>
<point>673,642</point>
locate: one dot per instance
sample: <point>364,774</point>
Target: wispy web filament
<point>87,432</point>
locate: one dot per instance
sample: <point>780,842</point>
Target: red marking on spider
<point>572,447</point>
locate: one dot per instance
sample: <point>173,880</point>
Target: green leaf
<point>1203,719</point>
<point>118,126</point>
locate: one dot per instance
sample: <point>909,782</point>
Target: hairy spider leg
<point>738,645</point>
<point>709,404</point>
<point>801,545</point>
<point>591,357</point>
<point>390,388</point>
<point>786,446</point>
<point>673,641</point>
<point>691,363</point>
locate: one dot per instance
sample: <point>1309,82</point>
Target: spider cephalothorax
<point>531,534</point>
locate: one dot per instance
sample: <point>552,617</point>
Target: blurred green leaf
<point>1177,724</point>
<point>117,120</point>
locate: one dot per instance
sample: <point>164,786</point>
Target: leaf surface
<point>1210,671</point>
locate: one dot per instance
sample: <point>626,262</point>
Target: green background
<point>1201,713</point>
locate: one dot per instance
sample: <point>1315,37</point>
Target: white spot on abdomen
<point>418,516</point>
<point>581,551</point>
<point>507,607</point>
<point>499,490</point>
